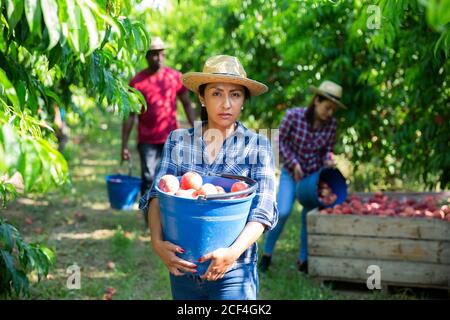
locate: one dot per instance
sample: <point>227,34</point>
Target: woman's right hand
<point>167,252</point>
<point>298,173</point>
<point>125,153</point>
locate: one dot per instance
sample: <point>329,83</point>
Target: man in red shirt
<point>160,87</point>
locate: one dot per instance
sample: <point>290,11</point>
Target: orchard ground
<point>112,248</point>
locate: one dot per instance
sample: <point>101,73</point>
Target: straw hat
<point>223,68</point>
<point>331,91</point>
<point>157,44</point>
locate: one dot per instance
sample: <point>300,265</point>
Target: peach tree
<point>392,57</point>
<point>50,49</point>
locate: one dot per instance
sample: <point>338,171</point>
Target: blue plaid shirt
<point>243,153</point>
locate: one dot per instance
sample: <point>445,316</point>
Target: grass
<point>78,224</point>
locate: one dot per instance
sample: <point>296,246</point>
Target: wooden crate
<point>412,252</point>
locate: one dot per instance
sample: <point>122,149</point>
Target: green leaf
<point>21,92</point>
<point>443,43</point>
<point>106,17</point>
<point>6,236</point>
<point>95,71</point>
<point>14,11</point>
<point>9,89</point>
<point>32,166</point>
<point>51,19</point>
<point>11,143</point>
<point>137,39</point>
<point>9,261</point>
<point>58,167</point>
<point>20,283</point>
<point>91,26</point>
<point>110,85</point>
<point>140,97</point>
<point>74,24</point>
<point>124,102</point>
<point>438,13</point>
<point>52,94</point>
<point>33,13</point>
<point>49,254</point>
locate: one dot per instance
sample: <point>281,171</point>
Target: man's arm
<point>127,126</point>
<point>187,107</point>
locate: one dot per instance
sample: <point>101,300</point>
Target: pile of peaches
<point>191,186</point>
<point>385,206</point>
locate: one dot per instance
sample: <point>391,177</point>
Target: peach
<point>191,180</point>
<point>375,205</point>
<point>439,214</point>
<point>346,210</point>
<point>238,186</point>
<point>220,189</point>
<point>169,183</point>
<point>206,189</point>
<point>185,193</point>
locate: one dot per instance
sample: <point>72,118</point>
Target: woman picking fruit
<point>219,145</point>
<point>307,138</point>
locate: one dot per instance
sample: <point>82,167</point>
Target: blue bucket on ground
<point>307,188</point>
<point>200,226</point>
<point>123,191</point>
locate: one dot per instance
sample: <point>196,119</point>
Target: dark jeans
<point>150,155</point>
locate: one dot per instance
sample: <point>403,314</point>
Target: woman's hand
<point>177,266</point>
<point>329,163</point>
<point>221,261</point>
<point>298,172</point>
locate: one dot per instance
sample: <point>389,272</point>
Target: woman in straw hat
<point>224,145</point>
<point>306,140</point>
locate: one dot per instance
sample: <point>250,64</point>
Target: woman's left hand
<point>221,260</point>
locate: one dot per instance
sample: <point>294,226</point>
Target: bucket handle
<point>253,186</point>
<point>130,166</point>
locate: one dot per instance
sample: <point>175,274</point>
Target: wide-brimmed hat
<point>223,68</point>
<point>157,44</point>
<point>331,91</point>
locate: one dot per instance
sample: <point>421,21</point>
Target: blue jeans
<point>285,200</point>
<point>238,283</point>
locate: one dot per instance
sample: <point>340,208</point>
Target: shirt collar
<point>198,127</point>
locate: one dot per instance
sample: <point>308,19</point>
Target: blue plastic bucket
<point>307,188</point>
<point>201,226</point>
<point>123,191</point>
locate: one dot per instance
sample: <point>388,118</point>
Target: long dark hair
<point>309,114</point>
<point>201,92</point>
